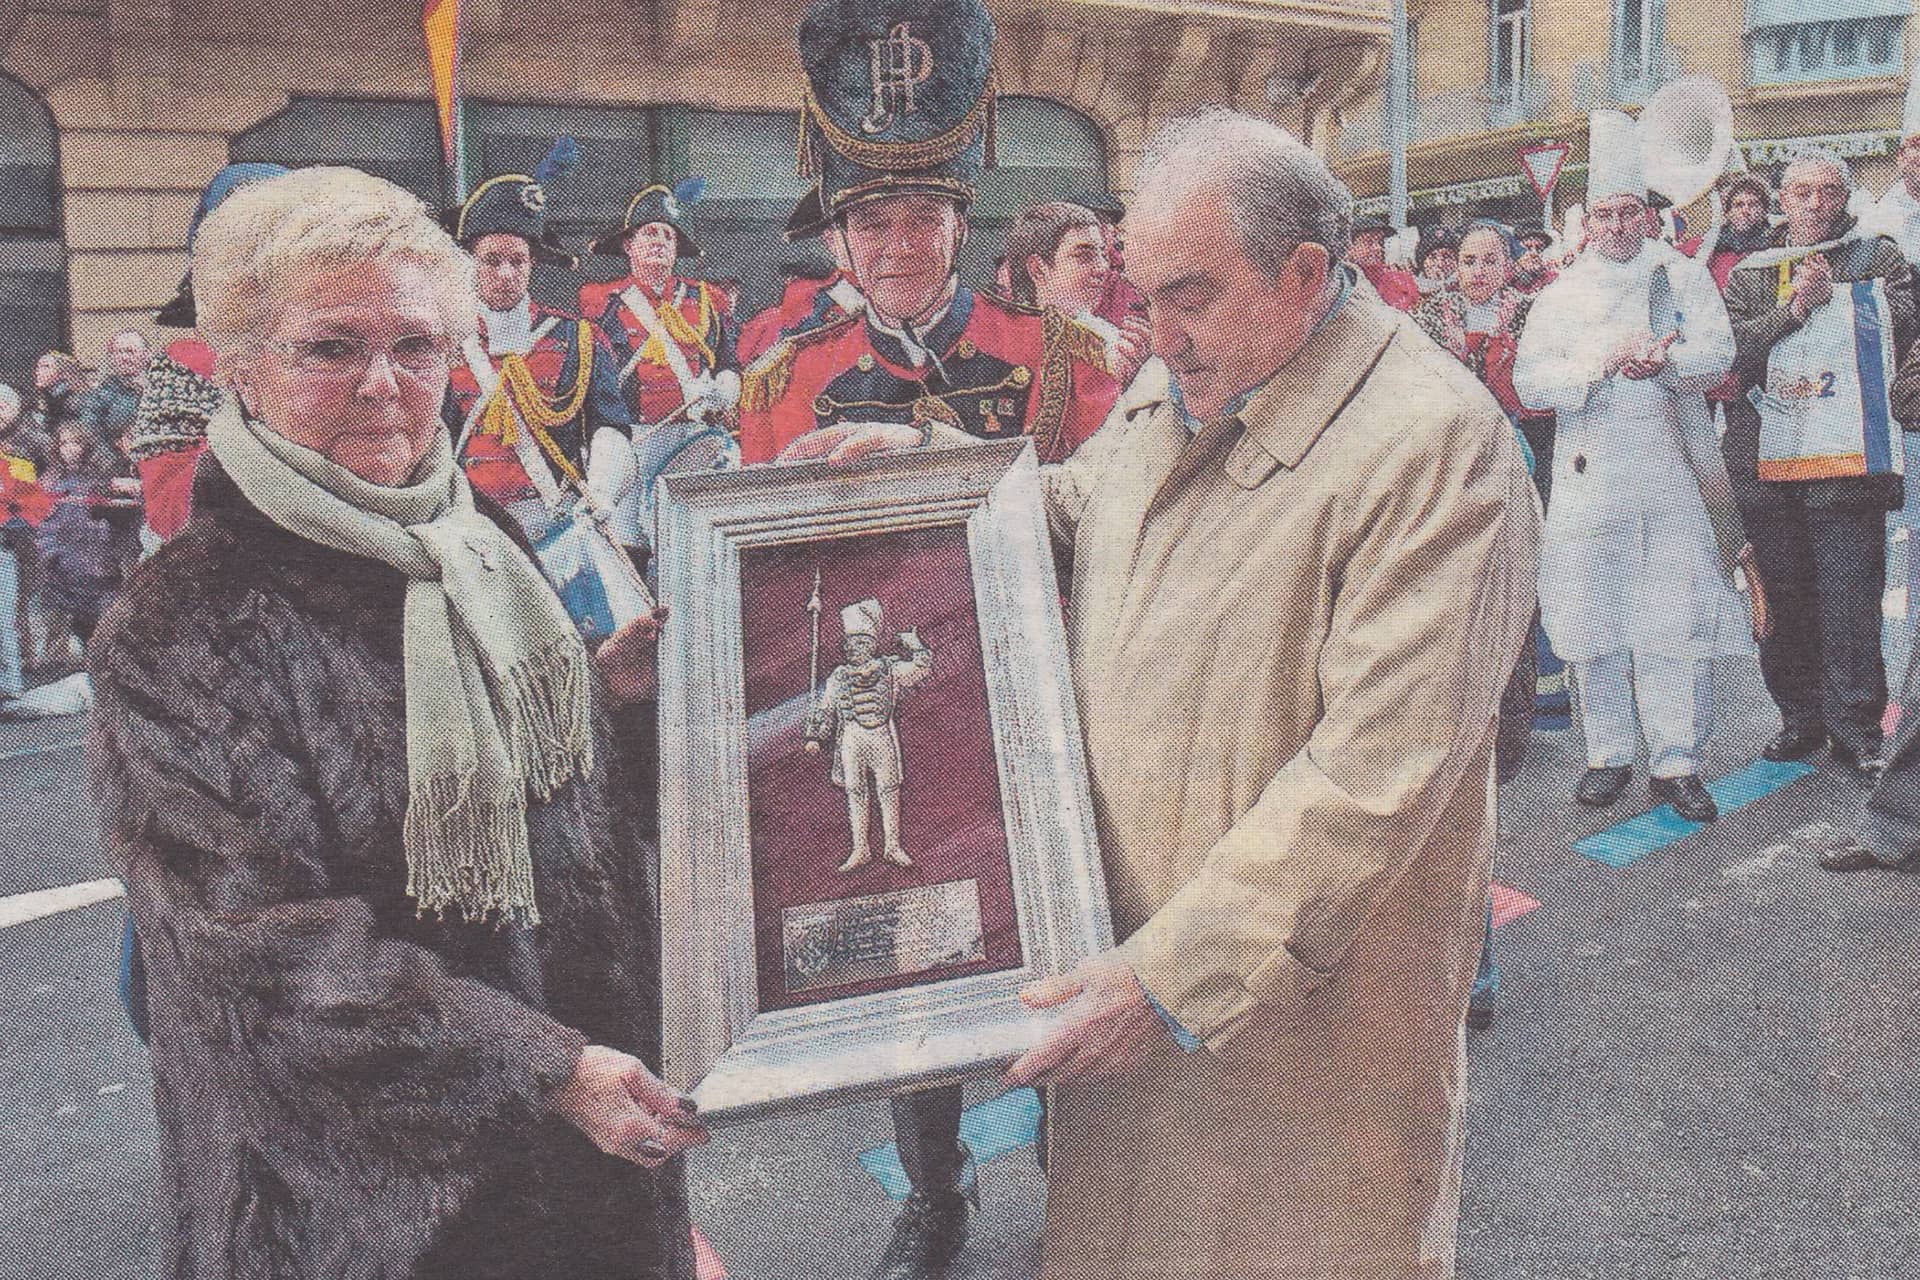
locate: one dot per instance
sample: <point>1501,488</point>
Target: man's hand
<point>1107,1024</point>
<point>1652,362</point>
<point>851,441</point>
<point>626,1110</point>
<point>1129,350</point>
<point>626,659</point>
<point>1812,285</point>
<point>1632,349</point>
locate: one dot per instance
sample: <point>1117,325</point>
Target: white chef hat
<point>1615,166</point>
<point>1910,117</point>
<point>861,619</point>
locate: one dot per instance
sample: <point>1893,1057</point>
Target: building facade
<point>114,113</point>
<point>1493,76</point>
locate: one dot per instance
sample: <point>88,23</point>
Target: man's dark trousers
<point>1824,565</point>
<point>1893,811</point>
<point>927,1127</point>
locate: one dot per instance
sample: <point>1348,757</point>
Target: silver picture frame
<point>737,1059</point>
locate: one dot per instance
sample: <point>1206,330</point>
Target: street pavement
<point>1698,1069</point>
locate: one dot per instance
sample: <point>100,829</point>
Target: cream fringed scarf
<point>497,684</point>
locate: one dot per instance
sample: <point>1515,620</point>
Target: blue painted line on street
<point>992,1129</point>
<point>1625,843</point>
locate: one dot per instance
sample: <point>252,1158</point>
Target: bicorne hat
<point>515,204</point>
<point>899,99</point>
<point>655,204</point>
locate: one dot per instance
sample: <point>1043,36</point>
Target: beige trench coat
<point>1288,644</point>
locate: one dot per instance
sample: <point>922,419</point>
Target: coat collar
<point>1288,414</point>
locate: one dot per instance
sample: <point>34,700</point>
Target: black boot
<point>928,1233</point>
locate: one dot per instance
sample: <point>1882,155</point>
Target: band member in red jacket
<point>673,337</point>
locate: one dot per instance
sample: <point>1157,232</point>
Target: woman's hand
<point>626,1110</point>
<point>626,660</point>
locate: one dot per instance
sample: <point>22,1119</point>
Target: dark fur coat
<point>345,1090</point>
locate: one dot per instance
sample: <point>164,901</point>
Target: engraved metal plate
<point>883,935</point>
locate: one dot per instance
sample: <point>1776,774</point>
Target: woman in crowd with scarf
<point>393,877</point>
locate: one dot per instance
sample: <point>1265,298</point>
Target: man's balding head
<point>1235,228</point>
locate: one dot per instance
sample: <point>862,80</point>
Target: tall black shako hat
<point>656,204</point>
<point>515,204</point>
<point>180,311</point>
<point>899,99</point>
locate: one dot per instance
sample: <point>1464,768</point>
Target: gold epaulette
<point>765,380</point>
<point>1080,342</point>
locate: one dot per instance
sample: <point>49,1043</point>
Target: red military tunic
<point>652,390</point>
<point>492,465</point>
<point>1003,370</point>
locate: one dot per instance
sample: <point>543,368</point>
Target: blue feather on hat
<point>559,161</point>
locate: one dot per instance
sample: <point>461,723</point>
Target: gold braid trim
<point>519,399</point>
<point>1085,345</point>
<point>674,321</point>
<point>1056,382</point>
<point>766,381</point>
<point>896,157</point>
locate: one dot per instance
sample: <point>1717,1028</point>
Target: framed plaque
<point>875,822</point>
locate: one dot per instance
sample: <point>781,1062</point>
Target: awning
<point>1791,13</point>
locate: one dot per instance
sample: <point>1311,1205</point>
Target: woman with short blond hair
<point>393,881</point>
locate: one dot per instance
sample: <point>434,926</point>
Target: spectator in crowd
<point>430,929</point>
<point>115,399</point>
<point>1002,276</point>
<point>1368,251</point>
<point>21,435</point>
<point>1479,323</point>
<point>1057,257</point>
<point>79,555</point>
<point>1748,200</point>
<point>1635,585</point>
<point>1479,317</point>
<point>1818,524</point>
<point>1434,261</point>
<point>59,385</point>
<point>1120,299</point>
<point>1531,273</point>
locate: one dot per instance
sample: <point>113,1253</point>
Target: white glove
<point>726,386</point>
<point>701,397</point>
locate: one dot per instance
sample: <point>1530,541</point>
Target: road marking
<point>1625,843</point>
<point>1509,903</point>
<point>22,753</point>
<point>995,1127</point>
<point>23,907</point>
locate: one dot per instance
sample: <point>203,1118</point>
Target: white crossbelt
<point>525,447</point>
<point>650,321</point>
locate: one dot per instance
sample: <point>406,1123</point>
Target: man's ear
<point>1308,267</point>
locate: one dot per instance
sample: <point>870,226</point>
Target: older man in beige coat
<point>1301,571</point>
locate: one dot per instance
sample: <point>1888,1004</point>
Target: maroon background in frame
<point>950,817</point>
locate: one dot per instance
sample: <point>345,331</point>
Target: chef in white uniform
<point>1897,213</point>
<point>1634,589</point>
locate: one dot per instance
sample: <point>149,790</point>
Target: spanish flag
<point>440,20</point>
